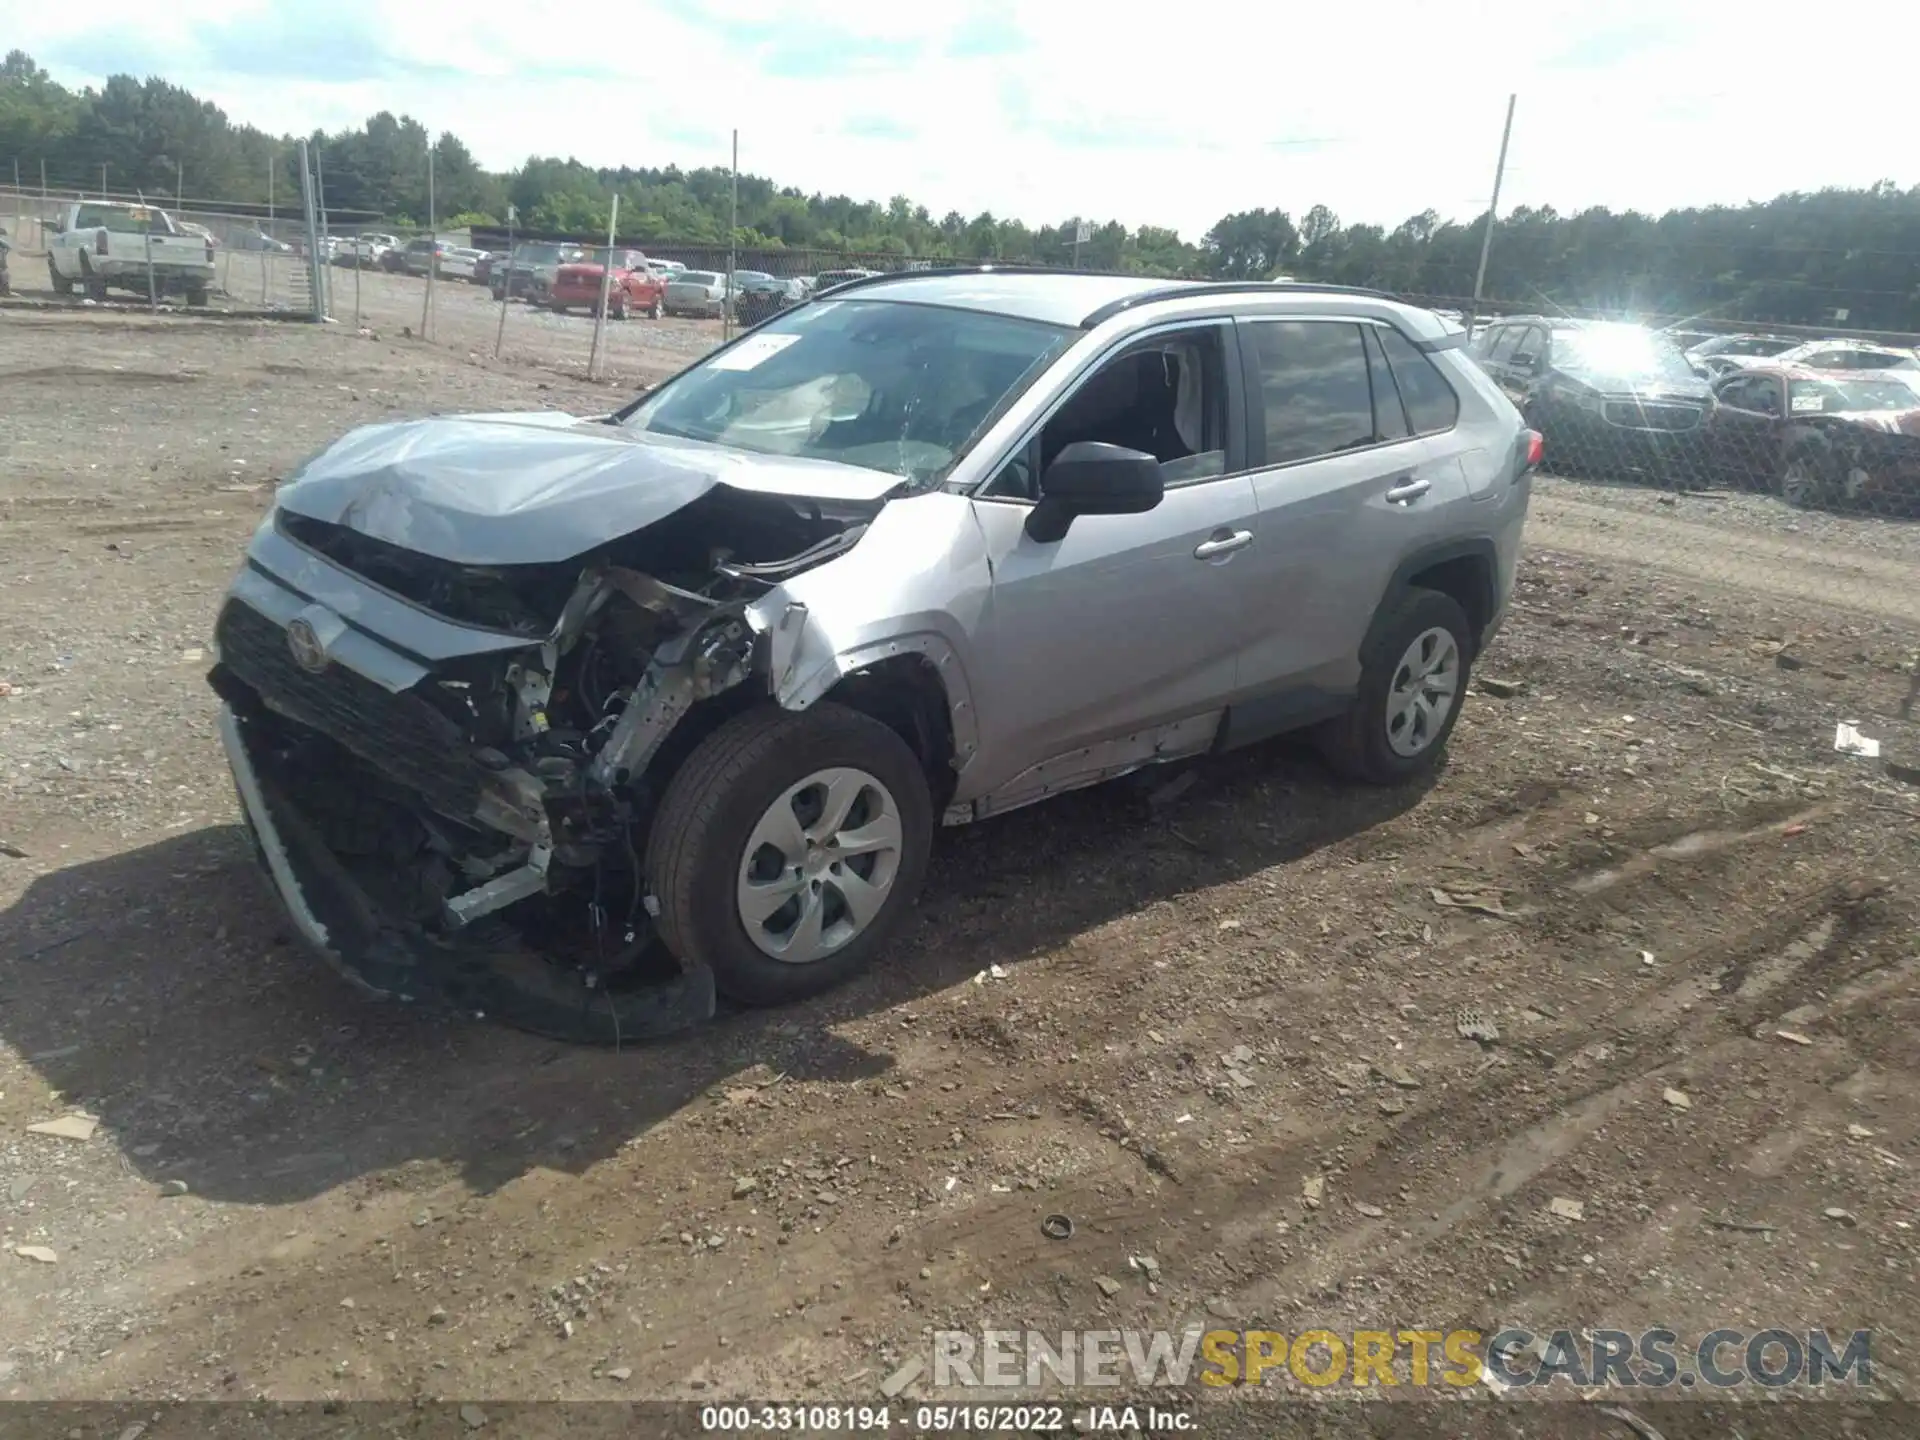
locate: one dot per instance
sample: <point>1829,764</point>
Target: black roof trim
<point>1188,288</point>
<point>1457,340</point>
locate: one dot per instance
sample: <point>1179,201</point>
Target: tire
<point>617,308</point>
<point>656,310</point>
<point>556,307</point>
<point>198,296</point>
<point>61,284</point>
<point>1809,474</point>
<point>697,860</point>
<point>1360,745</point>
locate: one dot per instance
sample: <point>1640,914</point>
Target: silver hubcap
<point>1426,683</point>
<point>820,864</point>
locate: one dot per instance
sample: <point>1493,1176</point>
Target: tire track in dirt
<point>1728,555</point>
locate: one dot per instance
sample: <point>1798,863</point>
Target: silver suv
<point>581,722</point>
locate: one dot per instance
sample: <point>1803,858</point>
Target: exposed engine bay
<point>512,791</point>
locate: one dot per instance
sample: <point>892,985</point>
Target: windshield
<point>123,220</point>
<point>538,253</point>
<point>1628,352</point>
<point>1817,396</point>
<point>878,384</point>
<point>699,277</point>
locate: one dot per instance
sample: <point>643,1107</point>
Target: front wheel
<point>198,296</point>
<point>788,848</point>
<point>61,284</point>
<point>1413,680</point>
<point>557,308</point>
<point>1807,475</point>
<point>656,310</point>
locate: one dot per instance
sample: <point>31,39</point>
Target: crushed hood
<point>525,489</point>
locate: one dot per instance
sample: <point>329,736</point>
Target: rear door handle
<point>1408,491</point>
<point>1223,543</point>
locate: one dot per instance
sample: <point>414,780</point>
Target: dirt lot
<point>1644,863</point>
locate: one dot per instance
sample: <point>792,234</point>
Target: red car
<point>1819,437</point>
<point>635,288</point>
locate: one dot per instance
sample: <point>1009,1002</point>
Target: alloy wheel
<point>819,865</point>
<point>1425,688</point>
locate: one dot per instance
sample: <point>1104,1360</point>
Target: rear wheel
<point>1809,475</point>
<point>557,307</point>
<point>617,308</point>
<point>61,284</point>
<point>198,296</point>
<point>656,310</point>
<point>788,848</point>
<point>1413,680</point>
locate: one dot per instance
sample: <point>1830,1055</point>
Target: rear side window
<point>1504,344</point>
<point>1389,415</point>
<point>1431,403</point>
<point>1315,394</point>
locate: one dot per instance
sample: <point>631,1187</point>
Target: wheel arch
<point>914,684</point>
<point>1465,570</point>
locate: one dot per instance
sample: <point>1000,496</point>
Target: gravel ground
<point>1222,1029</point>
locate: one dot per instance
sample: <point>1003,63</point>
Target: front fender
<point>916,584</point>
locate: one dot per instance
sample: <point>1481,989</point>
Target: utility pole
<point>606,292</point>
<point>733,244</point>
<point>103,179</point>
<point>316,262</point>
<point>1493,212</point>
<point>433,256</point>
<point>43,179</point>
<point>179,184</point>
<point>320,201</point>
<point>506,285</point>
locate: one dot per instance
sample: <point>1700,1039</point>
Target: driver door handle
<point>1222,543</point>
<point>1408,491</point>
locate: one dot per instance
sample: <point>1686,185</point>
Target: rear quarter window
<point>1432,405</point>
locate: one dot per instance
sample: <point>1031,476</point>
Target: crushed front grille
<point>1636,415</point>
<point>402,736</point>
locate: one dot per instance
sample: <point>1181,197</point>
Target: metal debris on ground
<point>1632,1421</point>
<point>1108,1287</point>
<point>1567,1209</point>
<point>1475,1024</point>
<point>1676,1098</point>
<point>1745,1227</point>
<point>1793,1037</point>
<point>1500,689</point>
<point>1841,1217</point>
<point>1372,1212</point>
<point>1312,1190</point>
<point>1848,740</point>
<point>1481,902</point>
<point>38,1253</point>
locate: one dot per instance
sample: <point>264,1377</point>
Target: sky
<point>1048,109</point>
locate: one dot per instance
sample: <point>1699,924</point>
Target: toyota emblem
<point>304,643</point>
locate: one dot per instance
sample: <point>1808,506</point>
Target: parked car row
<point>1820,422</point>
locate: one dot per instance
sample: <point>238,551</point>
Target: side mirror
<point>1090,477</point>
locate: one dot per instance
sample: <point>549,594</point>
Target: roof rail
<point>1185,288</point>
<point>887,276</point>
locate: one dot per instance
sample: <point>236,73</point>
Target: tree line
<point>1826,257</point>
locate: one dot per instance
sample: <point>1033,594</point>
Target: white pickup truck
<point>98,244</point>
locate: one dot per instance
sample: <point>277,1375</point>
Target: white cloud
<point>1140,113</point>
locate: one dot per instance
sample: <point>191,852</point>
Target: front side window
<point>887,386</point>
<point>1315,395</point>
<point>1504,344</point>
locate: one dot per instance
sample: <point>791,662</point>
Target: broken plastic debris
<point>67,1127</point>
<point>1848,740</point>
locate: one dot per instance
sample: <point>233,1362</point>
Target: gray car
<point>581,722</point>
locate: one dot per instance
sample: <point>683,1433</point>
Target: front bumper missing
<point>384,958</point>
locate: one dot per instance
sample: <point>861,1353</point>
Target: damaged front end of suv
<point>459,663</point>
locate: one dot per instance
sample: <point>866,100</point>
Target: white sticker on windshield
<point>1803,403</point>
<point>752,351</point>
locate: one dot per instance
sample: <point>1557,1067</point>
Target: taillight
<point>1536,449</point>
<point>100,243</point>
<point>209,252</point>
